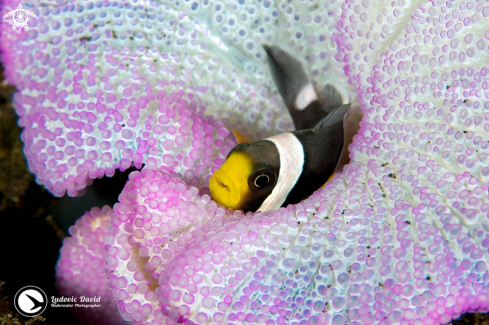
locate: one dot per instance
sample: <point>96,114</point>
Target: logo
<point>20,16</point>
<point>30,301</point>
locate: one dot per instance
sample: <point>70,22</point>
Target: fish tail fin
<point>297,91</point>
<point>330,98</point>
<point>290,78</point>
<point>334,117</point>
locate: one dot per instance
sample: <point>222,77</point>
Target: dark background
<point>33,224</point>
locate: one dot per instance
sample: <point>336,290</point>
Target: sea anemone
<point>95,79</point>
<point>401,236</point>
<point>81,271</point>
<point>329,259</point>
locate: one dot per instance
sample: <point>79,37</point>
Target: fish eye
<point>262,181</point>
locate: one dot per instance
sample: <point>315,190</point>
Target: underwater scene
<point>244,162</point>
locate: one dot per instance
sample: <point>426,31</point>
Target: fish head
<point>247,177</point>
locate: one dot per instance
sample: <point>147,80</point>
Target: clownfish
<point>286,168</point>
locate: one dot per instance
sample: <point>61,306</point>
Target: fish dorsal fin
<point>334,117</point>
<point>240,137</point>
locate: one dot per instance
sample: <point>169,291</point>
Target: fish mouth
<point>219,182</point>
<point>222,183</point>
<point>223,190</point>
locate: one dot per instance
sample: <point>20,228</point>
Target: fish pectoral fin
<point>334,117</point>
<point>240,137</point>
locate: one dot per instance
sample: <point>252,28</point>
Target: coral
<point>80,270</point>
<point>472,319</point>
<point>14,175</point>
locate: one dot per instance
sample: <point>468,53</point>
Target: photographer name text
<point>81,301</point>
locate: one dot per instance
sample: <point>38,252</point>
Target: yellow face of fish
<point>247,177</point>
<point>229,184</point>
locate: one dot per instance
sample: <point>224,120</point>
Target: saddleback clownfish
<point>286,168</point>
